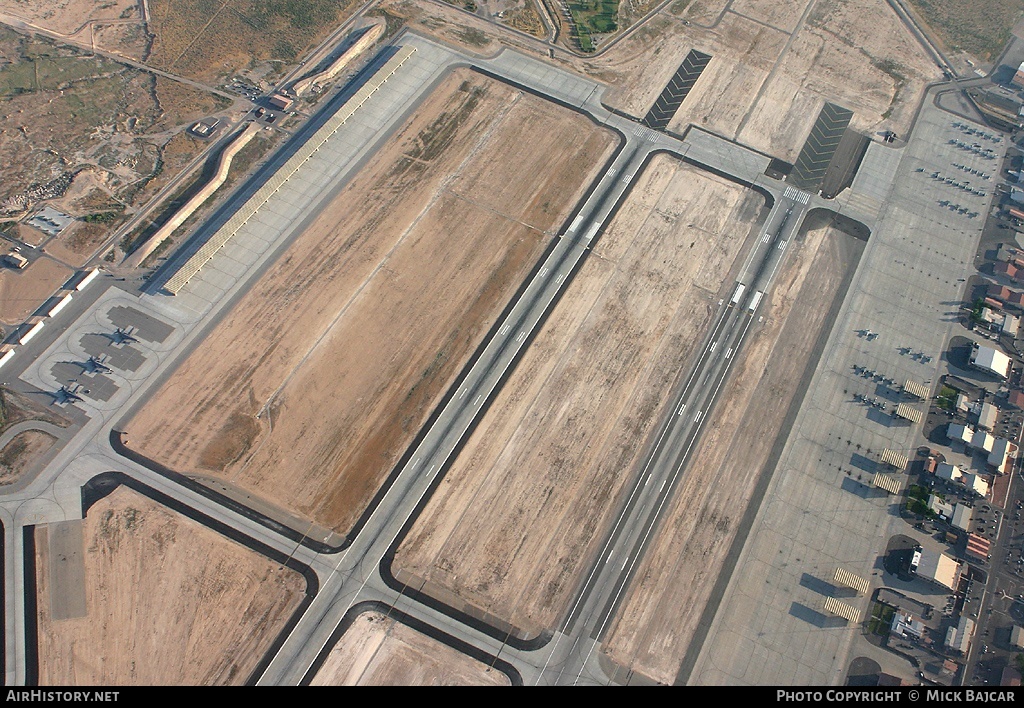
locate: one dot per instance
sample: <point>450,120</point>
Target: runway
<point>355,574</point>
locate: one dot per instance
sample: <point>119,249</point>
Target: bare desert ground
<point>773,66</point>
<point>379,651</point>
<point>23,291</point>
<point>136,594</point>
<point>19,454</point>
<point>69,16</point>
<point>541,473</point>
<point>673,585</point>
<point>313,386</point>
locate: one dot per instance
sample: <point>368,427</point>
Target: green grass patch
<point>946,398</point>
<point>593,17</point>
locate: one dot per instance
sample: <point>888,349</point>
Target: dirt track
<point>312,387</point>
<point>168,601</point>
<point>378,651</point>
<point>673,585</point>
<point>515,519</point>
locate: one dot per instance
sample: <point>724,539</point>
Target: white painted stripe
<point>6,357</point>
<point>714,346</point>
<point>592,231</point>
<point>477,401</point>
<point>575,223</point>
<point>625,180</point>
<point>728,353</point>
<point>520,337</point>
<point>682,407</point>
<point>504,330</point>
<point>696,418</point>
<point>544,271</point>
<point>463,394</point>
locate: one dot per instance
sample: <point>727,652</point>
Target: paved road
<point>354,575</point>
<point>568,657</point>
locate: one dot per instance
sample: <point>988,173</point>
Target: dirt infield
<point>19,454</point>
<point>379,651</point>
<point>149,597</point>
<point>673,585</point>
<point>23,291</point>
<point>517,517</point>
<point>306,395</point>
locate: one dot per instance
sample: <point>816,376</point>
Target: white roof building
<point>1010,325</point>
<point>948,471</point>
<point>1001,453</point>
<point>940,506</point>
<point>976,483</point>
<point>987,416</point>
<point>962,516</point>
<point>960,433</point>
<point>982,440</point>
<point>963,403</point>
<point>991,360</point>
<point>940,569</point>
<point>904,624</point>
<point>958,637</point>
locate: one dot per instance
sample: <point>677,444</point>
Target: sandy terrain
<point>19,454</point>
<point>770,75</point>
<point>454,212</point>
<point>23,291</point>
<point>69,16</point>
<point>378,651</point>
<point>781,15</point>
<point>853,52</point>
<point>541,473</point>
<point>673,584</point>
<point>167,600</point>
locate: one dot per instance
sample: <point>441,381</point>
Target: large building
<point>958,637</point>
<point>940,569</point>
<point>1018,77</point>
<point>991,361</point>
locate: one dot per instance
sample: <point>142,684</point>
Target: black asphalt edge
<point>104,483</point>
<point>31,615</point>
<point>422,627</point>
<point>531,643</point>
<point>767,472</point>
<point>234,505</point>
<point>683,72</point>
<point>803,176</point>
<point>252,184</point>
